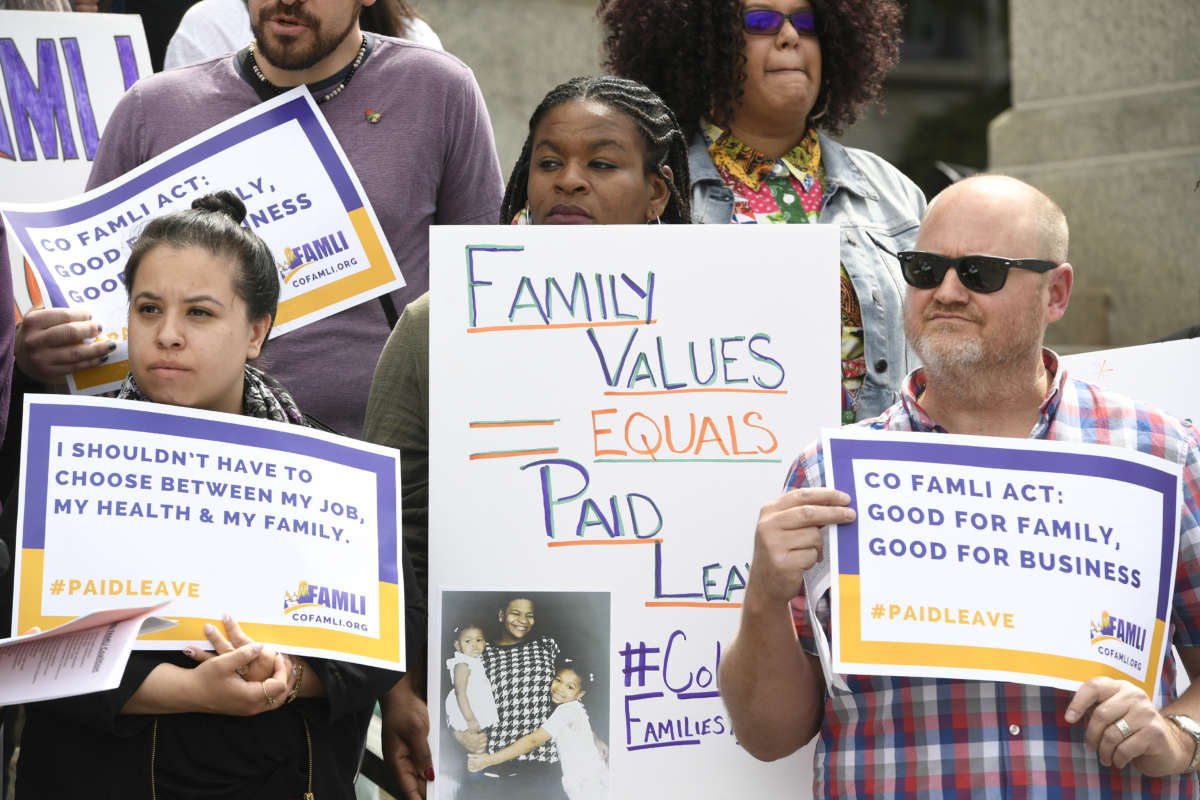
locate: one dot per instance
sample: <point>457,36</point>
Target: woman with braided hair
<point>600,151</point>
<point>759,86</point>
<point>584,111</point>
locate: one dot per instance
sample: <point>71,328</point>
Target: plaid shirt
<point>916,737</point>
<point>520,675</point>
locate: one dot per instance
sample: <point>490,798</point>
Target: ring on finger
<point>1123,726</point>
<point>267,695</point>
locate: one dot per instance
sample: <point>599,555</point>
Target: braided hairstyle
<point>214,223</point>
<point>665,145</point>
<point>692,53</point>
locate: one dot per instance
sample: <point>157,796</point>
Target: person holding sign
<point>600,150</point>
<point>203,293</point>
<point>757,86</point>
<point>989,273</point>
<point>413,125</point>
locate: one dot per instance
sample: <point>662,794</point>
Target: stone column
<point>1106,120</point>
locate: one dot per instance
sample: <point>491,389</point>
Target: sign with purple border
<point>301,196</point>
<point>63,74</point>
<point>984,558</point>
<point>293,531</point>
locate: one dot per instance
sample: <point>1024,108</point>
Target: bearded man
<point>424,155</point>
<point>989,273</point>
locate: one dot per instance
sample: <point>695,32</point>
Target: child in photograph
<point>470,705</point>
<point>585,774</point>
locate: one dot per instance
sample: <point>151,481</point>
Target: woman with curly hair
<point>759,86</point>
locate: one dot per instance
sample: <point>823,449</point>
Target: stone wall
<point>519,50</point>
<point>1106,120</point>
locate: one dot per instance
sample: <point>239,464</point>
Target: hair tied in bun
<point>222,202</point>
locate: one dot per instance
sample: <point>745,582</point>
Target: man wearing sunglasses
<point>988,274</point>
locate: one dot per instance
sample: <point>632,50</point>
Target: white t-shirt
<point>479,694</point>
<point>585,775</point>
<point>213,28</point>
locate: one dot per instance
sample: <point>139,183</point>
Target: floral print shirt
<point>789,190</point>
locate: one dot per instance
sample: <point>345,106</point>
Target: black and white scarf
<point>262,397</point>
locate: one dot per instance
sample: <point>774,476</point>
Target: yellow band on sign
<point>377,274</point>
<point>854,650</point>
<point>385,647</point>
<point>101,375</point>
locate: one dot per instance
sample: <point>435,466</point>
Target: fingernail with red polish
<point>428,773</point>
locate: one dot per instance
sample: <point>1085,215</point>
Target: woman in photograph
<point>520,667</point>
<point>245,722</point>
<point>760,87</point>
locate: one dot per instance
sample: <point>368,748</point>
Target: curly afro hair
<point>689,52</point>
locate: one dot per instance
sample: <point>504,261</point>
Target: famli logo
<point>1115,629</point>
<point>304,255</point>
<point>309,595</point>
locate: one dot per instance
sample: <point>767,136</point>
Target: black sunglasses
<point>982,274</point>
<point>765,22</point>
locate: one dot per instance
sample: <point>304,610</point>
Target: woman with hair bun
<point>203,291</point>
<point>759,86</point>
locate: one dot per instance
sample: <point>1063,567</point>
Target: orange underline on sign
<point>581,542</point>
<point>554,325</point>
<point>685,604</point>
<point>514,453</point>
<point>693,391</point>
<point>516,423</point>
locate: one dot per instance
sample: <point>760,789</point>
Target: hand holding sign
<point>1153,744</point>
<point>214,687</point>
<point>787,541</point>
<point>258,670</point>
<point>52,343</point>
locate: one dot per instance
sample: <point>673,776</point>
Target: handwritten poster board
<point>301,195</point>
<point>290,530</point>
<point>959,541</point>
<point>610,407</point>
<point>62,75</point>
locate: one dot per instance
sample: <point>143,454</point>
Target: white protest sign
<point>1160,374</point>
<point>961,544</point>
<point>302,198</point>
<point>290,530</point>
<point>87,654</point>
<point>610,407</point>
<point>62,75</point>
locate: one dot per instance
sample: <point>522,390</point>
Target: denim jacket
<point>879,211</point>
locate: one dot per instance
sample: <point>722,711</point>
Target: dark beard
<point>302,57</point>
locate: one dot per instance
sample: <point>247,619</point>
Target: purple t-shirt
<point>430,159</point>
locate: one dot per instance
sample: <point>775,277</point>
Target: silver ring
<point>1124,728</point>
